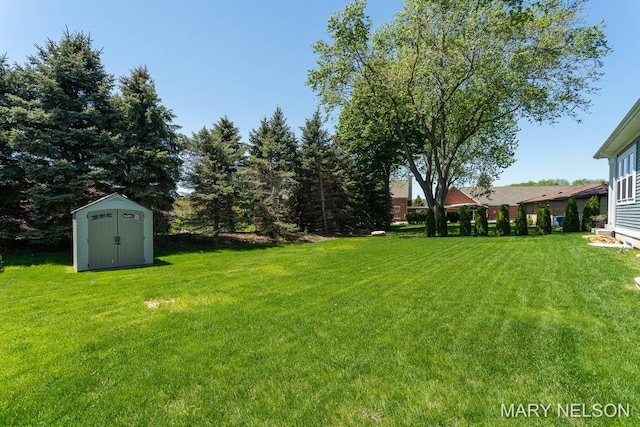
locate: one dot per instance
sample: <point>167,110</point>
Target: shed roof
<point>109,197</point>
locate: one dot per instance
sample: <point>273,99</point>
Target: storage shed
<point>112,232</point>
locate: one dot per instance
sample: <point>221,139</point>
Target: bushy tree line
<point>68,136</point>
<point>71,133</point>
<point>278,183</point>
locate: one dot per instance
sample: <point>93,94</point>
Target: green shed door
<point>116,238</point>
<point>131,233</point>
<point>103,228</point>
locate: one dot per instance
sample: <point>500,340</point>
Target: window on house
<point>626,176</point>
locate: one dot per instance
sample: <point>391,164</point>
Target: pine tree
<point>430,223</point>
<point>503,226</point>
<point>522,228</point>
<point>216,157</point>
<point>148,147</point>
<point>591,209</point>
<point>543,221</point>
<point>321,193</point>
<point>271,168</point>
<point>465,221</point>
<point>13,216</point>
<point>442,222</point>
<point>63,131</point>
<point>571,222</point>
<point>482,225</point>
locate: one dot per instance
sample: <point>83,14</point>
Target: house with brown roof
<point>507,195</point>
<point>557,200</point>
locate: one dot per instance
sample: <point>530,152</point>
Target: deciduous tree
<point>461,72</point>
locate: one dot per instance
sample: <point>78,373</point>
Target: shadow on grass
<point>26,255</point>
<point>177,244</point>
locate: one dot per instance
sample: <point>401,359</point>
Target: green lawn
<point>397,330</point>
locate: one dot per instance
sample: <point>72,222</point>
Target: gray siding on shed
<point>628,216</point>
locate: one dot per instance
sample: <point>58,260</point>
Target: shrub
<point>442,222</point>
<point>482,226</point>
<point>591,209</point>
<point>418,217</point>
<point>522,224</point>
<point>503,226</point>
<point>465,221</point>
<point>543,223</point>
<point>571,222</point>
<point>453,217</point>
<point>431,223</point>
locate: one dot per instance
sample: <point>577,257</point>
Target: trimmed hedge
<point>442,222</point>
<point>465,221</point>
<point>482,225</point>
<point>543,223</point>
<point>419,217</point>
<point>503,225</point>
<point>571,222</point>
<point>522,228</point>
<point>591,209</point>
<point>453,217</point>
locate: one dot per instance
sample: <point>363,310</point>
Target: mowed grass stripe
<point>403,331</point>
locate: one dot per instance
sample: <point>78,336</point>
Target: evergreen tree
<point>571,222</point>
<point>465,221</point>
<point>430,223</point>
<point>363,132</point>
<point>522,228</point>
<point>503,226</point>
<point>216,157</point>
<point>12,176</point>
<point>591,209</point>
<point>271,168</point>
<point>482,225</point>
<point>148,148</point>
<point>63,131</point>
<point>321,193</point>
<point>442,222</point>
<point>543,221</point>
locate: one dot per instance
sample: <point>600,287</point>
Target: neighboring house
<point>557,200</point>
<point>621,149</point>
<point>400,198</point>
<point>510,195</point>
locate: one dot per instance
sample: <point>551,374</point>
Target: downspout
<point>611,200</point>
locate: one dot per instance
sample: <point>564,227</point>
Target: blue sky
<point>242,59</point>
